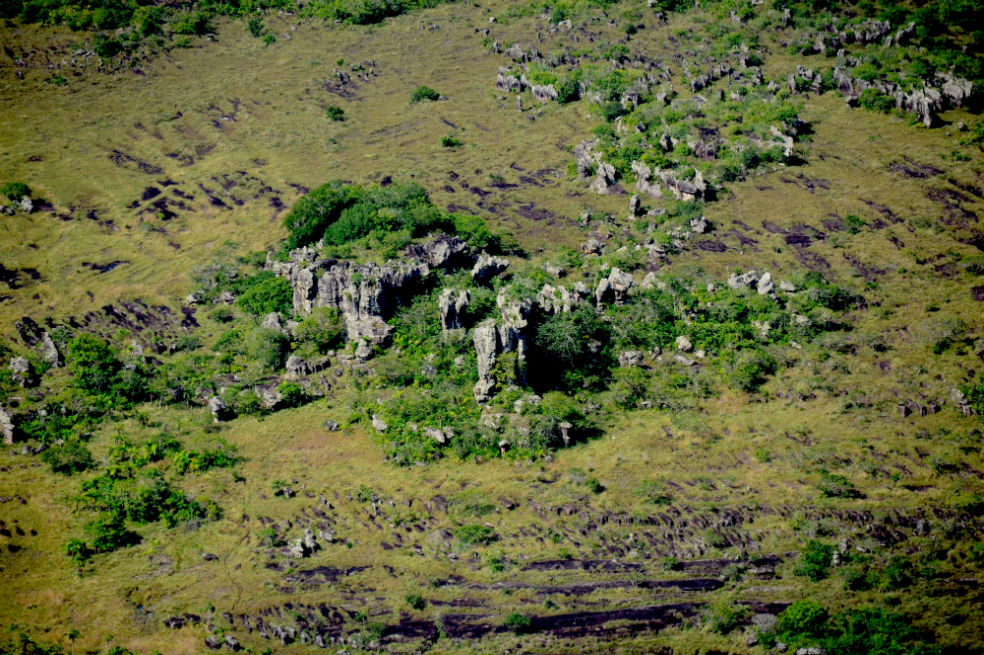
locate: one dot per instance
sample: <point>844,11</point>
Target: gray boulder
<point>21,371</point>
<point>486,340</point>
<point>451,304</point>
<point>631,358</point>
<point>218,408</point>
<point>614,288</point>
<point>26,205</point>
<point>273,321</point>
<point>6,427</point>
<point>378,424</point>
<point>487,267</point>
<point>765,284</point>
<point>49,351</point>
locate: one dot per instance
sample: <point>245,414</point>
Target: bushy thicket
<point>342,214</point>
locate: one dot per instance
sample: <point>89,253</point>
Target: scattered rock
<point>218,408</point>
<point>378,424</point>
<point>21,372</point>
<point>683,344</point>
<point>631,358</point>
<point>765,285</point>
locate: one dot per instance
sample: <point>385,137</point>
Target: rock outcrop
<point>364,294</point>
<point>6,427</point>
<point>614,288</point>
<point>487,267</point>
<point>451,304</point>
<point>21,372</point>
<point>49,351</point>
<point>492,339</point>
<point>486,340</point>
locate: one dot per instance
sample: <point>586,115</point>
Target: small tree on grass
<point>424,93</point>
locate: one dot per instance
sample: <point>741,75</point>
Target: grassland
<point>737,476</point>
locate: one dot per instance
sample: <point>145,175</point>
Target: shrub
<point>196,23</point>
<point>724,616</point>
<point>475,535</point>
<point>450,141</point>
<point>804,617</point>
<point>837,486</point>
<point>109,533</point>
<point>266,346</point>
<point>78,551</point>
<point>15,191</point>
<point>874,100</point>
<point>323,329</point>
<point>815,560</point>
<point>422,93</point>
<point>310,215</point>
<point>416,601</point>
<point>266,293</point>
<point>292,394</point>
<point>255,26</point>
<point>568,91</point>
<point>335,113</point>
<point>518,623</point>
<point>222,315</point>
<point>71,457</point>
<point>748,369</point>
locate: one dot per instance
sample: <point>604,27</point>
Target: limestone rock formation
<point>452,303</point>
<point>487,267</point>
<point>6,427</point>
<point>49,351</point>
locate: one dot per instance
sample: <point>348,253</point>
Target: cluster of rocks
<point>924,102</point>
<point>508,80</point>
<point>25,205</point>
<point>365,295</point>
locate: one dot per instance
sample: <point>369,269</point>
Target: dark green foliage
<point>859,631</point>
<point>724,616</point>
<point>875,100</point>
<point>837,486</point>
<point>569,338</point>
<point>15,191</point>
<point>518,624</point>
<point>266,346</point>
<point>195,23</point>
<point>475,535</point>
<point>98,372</point>
<point>109,533</point>
<point>416,601</point>
<point>748,369</point>
<point>815,560</point>
<point>804,618</point>
<point>71,457</point>
<point>450,141</point>
<point>422,93</point>
<point>265,293</point>
<point>322,330</point>
<point>254,26</point>
<point>292,395</point>
<point>568,91</point>
<point>335,113</point>
<point>393,215</point>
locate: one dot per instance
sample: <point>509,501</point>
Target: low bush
<point>814,561</point>
<point>422,93</point>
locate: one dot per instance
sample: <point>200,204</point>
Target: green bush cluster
<point>342,214</point>
<point>856,631</point>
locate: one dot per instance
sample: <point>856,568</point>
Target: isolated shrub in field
<point>518,623</point>
<point>837,486</point>
<point>749,368</point>
<point>335,113</point>
<point>475,535</point>
<point>815,561</point>
<point>450,141</point>
<point>876,101</point>
<point>15,191</point>
<point>422,93</point>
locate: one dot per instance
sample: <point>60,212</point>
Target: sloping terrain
<point>633,336</point>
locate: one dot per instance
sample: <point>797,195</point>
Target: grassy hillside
<point>813,477</point>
